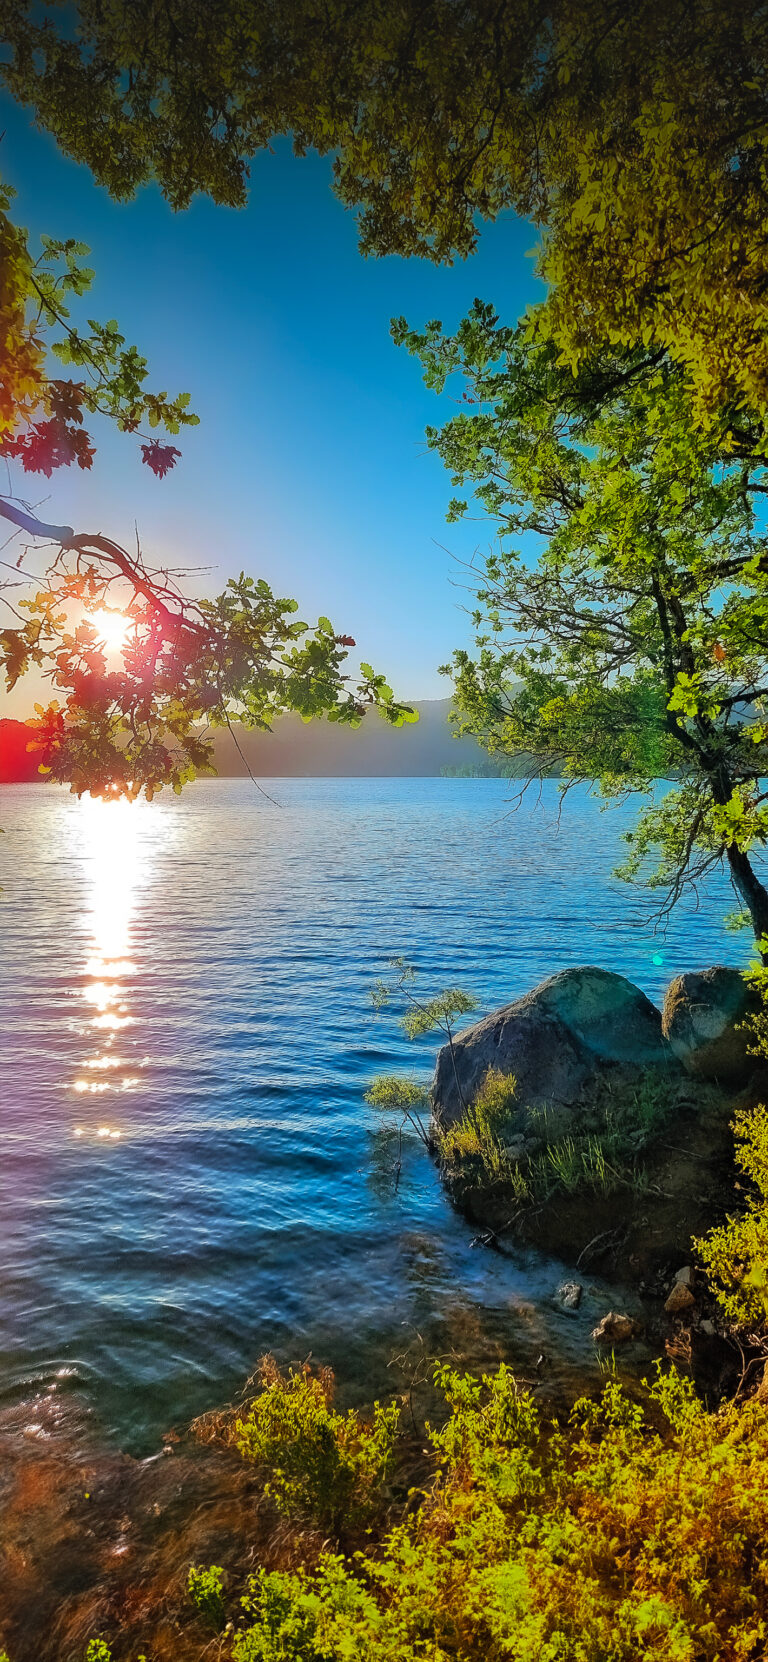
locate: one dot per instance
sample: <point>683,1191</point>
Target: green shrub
<point>393,1093</point>
<point>322,1617</point>
<point>619,1537</point>
<point>736,1254</point>
<point>206,1589</point>
<point>327,1466</point>
<point>421,1015</point>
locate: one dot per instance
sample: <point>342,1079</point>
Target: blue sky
<point>309,466</point>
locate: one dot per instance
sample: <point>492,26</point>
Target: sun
<point>111,627</point>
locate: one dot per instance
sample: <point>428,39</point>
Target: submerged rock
<point>559,1041</point>
<point>701,1016</point>
<point>614,1329</point>
<point>568,1296</point>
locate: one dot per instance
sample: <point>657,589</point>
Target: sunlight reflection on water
<point>117,848</point>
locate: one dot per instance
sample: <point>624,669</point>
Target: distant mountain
<point>321,749</point>
<point>17,766</point>
<point>316,749</point>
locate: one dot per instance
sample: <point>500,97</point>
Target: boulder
<point>559,1041</point>
<point>700,1019</point>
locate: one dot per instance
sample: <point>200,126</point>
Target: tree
<point>138,717</point>
<point>635,136</point>
<point>622,620</point>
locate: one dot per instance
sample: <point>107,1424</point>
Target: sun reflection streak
<point>118,866</point>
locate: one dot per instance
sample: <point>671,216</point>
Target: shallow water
<point>189,1174</point>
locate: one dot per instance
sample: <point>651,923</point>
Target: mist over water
<point>189,1174</point>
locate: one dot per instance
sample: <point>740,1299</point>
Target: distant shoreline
<point>428,748</point>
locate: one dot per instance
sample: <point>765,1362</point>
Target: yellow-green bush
<point>326,1465</point>
<point>205,1585</point>
<point>478,1135</point>
<point>610,1539</point>
<point>736,1254</point>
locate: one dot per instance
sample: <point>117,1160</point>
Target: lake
<point>189,1173</point>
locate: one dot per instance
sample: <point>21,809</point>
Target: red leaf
<point>48,445</point>
<point>160,457</point>
<point>66,400</point>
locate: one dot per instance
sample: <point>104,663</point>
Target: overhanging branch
<point>36,527</point>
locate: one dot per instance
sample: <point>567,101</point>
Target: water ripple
<point>189,1172</point>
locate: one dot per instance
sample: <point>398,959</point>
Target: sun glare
<point>111,627</point>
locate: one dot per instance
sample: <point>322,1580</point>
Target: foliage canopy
<point>142,718</point>
<point>622,620</point>
<point>635,136</point>
<point>43,415</point>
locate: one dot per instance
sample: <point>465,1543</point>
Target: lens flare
<point>111,628</point>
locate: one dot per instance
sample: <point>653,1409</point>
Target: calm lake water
<point>189,1174</point>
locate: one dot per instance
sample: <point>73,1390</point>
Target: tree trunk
<point>753,893</point>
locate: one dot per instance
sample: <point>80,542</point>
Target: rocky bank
<point>594,1066</point>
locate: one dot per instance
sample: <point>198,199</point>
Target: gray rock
<point>685,1277</point>
<point>568,1295</point>
<point>614,1329</point>
<point>701,1014</point>
<point>517,1150</point>
<point>558,1041</point>
<point>680,1299</point>
<point>607,1014</point>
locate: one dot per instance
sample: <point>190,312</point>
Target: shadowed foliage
<point>635,136</point>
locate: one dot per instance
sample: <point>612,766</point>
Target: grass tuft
<point>499,1141</point>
